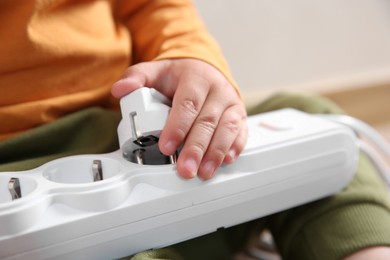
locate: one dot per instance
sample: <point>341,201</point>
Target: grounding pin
<point>97,170</point>
<point>14,188</point>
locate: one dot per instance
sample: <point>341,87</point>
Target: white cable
<point>378,163</point>
<point>362,129</point>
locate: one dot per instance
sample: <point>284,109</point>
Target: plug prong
<point>172,158</point>
<point>134,125</point>
<point>139,156</point>
<point>14,188</point>
<point>97,170</point>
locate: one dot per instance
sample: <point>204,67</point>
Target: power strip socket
<point>102,206</point>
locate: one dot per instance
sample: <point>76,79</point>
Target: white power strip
<point>291,158</point>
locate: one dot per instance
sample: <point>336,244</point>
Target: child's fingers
<point>147,74</point>
<point>229,127</point>
<point>238,145</point>
<point>186,106</point>
<point>200,135</point>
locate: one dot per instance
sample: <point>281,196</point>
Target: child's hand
<point>207,114</point>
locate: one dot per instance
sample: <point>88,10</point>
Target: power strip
<point>103,206</point>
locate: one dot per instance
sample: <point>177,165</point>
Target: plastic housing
<point>291,158</point>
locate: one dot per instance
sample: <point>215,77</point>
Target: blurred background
<point>337,48</point>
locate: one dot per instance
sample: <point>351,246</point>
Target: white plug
<point>144,113</point>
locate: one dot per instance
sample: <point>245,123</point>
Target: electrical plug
<point>144,113</point>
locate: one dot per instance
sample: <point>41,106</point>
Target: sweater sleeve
<point>168,29</point>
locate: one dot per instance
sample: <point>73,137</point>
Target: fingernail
<point>191,166</point>
<point>232,154</point>
<point>208,168</point>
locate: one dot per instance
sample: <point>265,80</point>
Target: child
<point>59,61</point>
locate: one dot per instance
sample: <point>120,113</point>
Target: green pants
<point>331,228</point>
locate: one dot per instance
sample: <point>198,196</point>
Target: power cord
<point>365,131</point>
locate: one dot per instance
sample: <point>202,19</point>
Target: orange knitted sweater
<point>59,56</point>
